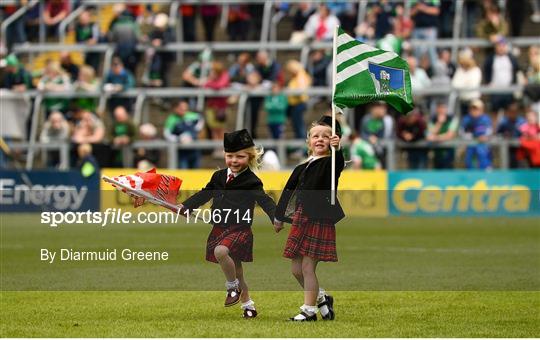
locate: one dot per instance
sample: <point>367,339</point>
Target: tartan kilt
<point>316,239</point>
<point>239,240</point>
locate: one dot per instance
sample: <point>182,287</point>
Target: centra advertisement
<point>469,193</point>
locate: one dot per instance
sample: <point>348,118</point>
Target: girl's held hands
<point>278,226</point>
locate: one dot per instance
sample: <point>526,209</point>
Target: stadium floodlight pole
<point>333,165</point>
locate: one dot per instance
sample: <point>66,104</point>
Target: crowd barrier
<point>361,193</point>
<point>392,193</point>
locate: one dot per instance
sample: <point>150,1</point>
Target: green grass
<point>200,314</point>
<point>396,277</point>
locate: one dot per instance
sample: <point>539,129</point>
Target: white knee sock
<point>232,284</point>
<point>308,310</point>
<point>320,299</point>
<point>248,305</point>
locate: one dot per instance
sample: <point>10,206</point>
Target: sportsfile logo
<point>109,216</point>
<point>60,197</point>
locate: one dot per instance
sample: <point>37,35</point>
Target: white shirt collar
<point>229,172</point>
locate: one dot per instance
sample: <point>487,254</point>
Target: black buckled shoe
<point>328,302</point>
<point>233,297</point>
<point>306,317</point>
<point>250,313</point>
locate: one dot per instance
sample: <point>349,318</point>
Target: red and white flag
<point>157,188</point>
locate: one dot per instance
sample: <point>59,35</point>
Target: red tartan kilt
<point>239,240</point>
<point>316,239</point>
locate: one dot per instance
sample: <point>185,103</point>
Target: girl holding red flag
<point>234,192</point>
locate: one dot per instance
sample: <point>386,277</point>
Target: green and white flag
<point>365,74</point>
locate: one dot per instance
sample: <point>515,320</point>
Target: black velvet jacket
<point>310,185</point>
<point>238,196</point>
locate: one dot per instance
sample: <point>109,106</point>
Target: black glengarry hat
<point>327,120</point>
<point>237,140</point>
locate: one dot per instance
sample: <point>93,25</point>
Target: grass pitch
<point>397,277</point>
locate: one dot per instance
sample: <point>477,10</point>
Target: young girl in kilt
<point>305,202</point>
<point>235,188</point>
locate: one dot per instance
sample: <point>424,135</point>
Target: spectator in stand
<point>493,26</point>
<point>346,12</point>
<point>529,151</point>
<point>197,70</point>
<point>67,64</point>
<point>515,10</point>
<point>510,127</point>
<point>87,82</point>
<point>55,129</point>
<point>320,25</point>
<point>146,158</point>
<point>303,12</point>
<point>159,62</point>
<point>441,128</point>
<point>532,89</point>
<point>15,32</point>
<point>383,11</point>
<point>117,80</point>
<point>468,76</point>
<point>477,127</point>
<point>419,77</point>
<point>276,111</point>
<point>125,33</point>
<point>301,16</point>
<point>88,129</point>
<point>318,67</point>
<point>32,23</point>
<point>238,22</point>
<point>425,15</point>
<point>268,71</point>
<point>54,79</point>
<point>54,12</point>
<point>16,78</point>
<point>363,154</point>
<point>500,70</point>
<point>188,13</point>
<point>510,124</point>
<point>403,25</point>
<point>209,15</point>
<point>244,75</point>
<point>531,128</point>
<point>240,70</point>
<point>122,133</point>
<point>411,128</point>
<point>86,162</point>
<point>377,125</point>
<point>183,126</point>
<point>216,107</point>
<point>298,80</point>
<point>87,32</point>
<point>445,63</point>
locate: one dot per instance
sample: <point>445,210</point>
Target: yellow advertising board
<point>361,193</point>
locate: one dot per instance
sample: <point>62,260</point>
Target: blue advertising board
<point>464,193</point>
<point>48,190</point>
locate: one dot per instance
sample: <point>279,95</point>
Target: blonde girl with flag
<point>306,204</point>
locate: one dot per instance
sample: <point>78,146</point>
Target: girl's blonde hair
<point>254,157</point>
<point>310,151</point>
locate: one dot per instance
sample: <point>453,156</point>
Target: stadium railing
<point>280,147</point>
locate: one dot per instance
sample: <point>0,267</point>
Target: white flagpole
<point>333,179</point>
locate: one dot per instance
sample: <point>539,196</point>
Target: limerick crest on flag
<point>387,80</point>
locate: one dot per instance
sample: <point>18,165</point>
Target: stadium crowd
<point>475,117</point>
